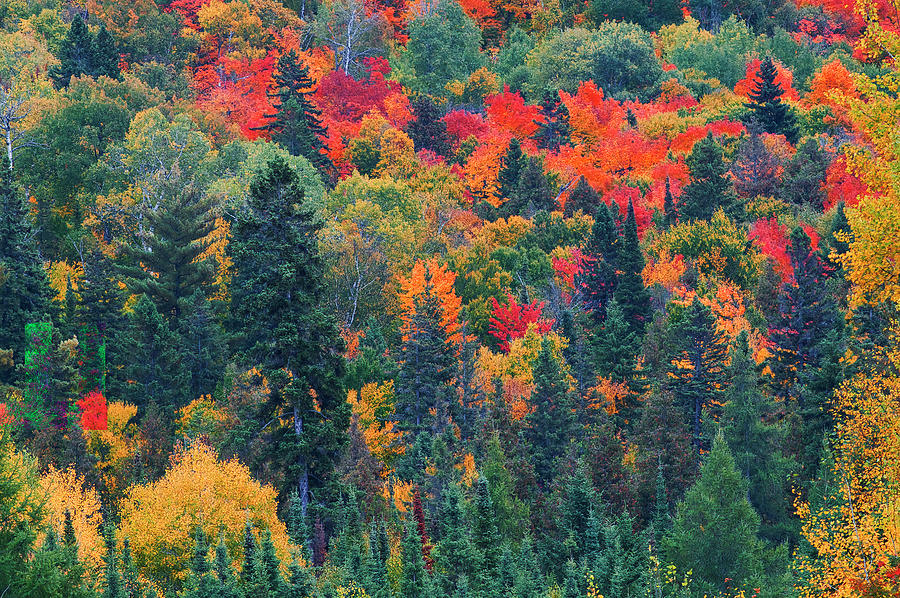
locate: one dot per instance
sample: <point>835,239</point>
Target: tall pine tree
<point>766,104</point>
<point>630,293</point>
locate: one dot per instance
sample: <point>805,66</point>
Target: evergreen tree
<point>200,582</point>
<point>166,266</point>
<point>661,519</point>
<point>455,555</point>
<point>153,370</point>
<point>755,168</point>
<point>696,370</point>
<point>714,532</point>
<point>598,278</point>
<point>428,131</point>
<point>228,587</point>
<point>24,291</point>
<point>427,366</point>
<point>104,56</point>
<point>76,53</point>
<point>511,166</point>
<point>765,103</point>
<point>301,582</point>
<point>282,323</point>
<point>756,444</point>
<point>550,426</point>
<point>709,187</point>
<point>630,293</point>
<point>98,320</point>
<point>271,566</point>
<point>572,582</point>
<point>804,175</point>
<point>624,561</point>
<point>131,584</point>
<point>553,128</point>
<point>296,123</point>
<point>670,212</point>
<point>583,197</point>
<point>532,193</point>
<point>112,578</point>
<point>577,505</point>
<point>203,344</point>
<point>485,536</point>
<point>412,578</point>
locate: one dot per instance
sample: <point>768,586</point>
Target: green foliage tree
<point>428,131</point>
<point>553,130</point>
<point>82,53</point>
<point>804,175</point>
<point>598,277</point>
<point>630,293</point>
<point>766,104</point>
<point>710,187</point>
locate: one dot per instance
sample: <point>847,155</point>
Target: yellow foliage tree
<point>66,491</point>
<point>373,404</point>
<point>161,518</point>
<point>115,446</point>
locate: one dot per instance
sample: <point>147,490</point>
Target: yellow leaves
<point>469,472</point>
<point>59,273</point>
<point>441,280</point>
<point>114,446</point>
<point>202,417</point>
<point>237,30</point>
<point>160,518</point>
<point>66,491</point>
<point>665,270</point>
<point>373,405</point>
<point>216,248</point>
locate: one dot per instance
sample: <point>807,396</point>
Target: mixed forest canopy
<point>449,298</point>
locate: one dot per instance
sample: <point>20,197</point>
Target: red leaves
<point>771,238</point>
<point>93,411</point>
<point>508,113</point>
<point>511,321</point>
<point>841,185</point>
<point>785,78</point>
<point>461,125</point>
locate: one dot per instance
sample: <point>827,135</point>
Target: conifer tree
<point>598,278</point>
<point>670,212</point>
<point>166,266</point>
<point>714,532</point>
<point>804,175</point>
<point>428,131</point>
<point>112,577</point>
<point>76,53</point>
<point>577,505</point>
<point>455,555</point>
<point>131,584</point>
<point>766,103</point>
<point>104,57</point>
<point>709,187</point>
<point>630,293</point>
<point>583,197</point>
<point>572,582</point>
<point>532,193</point>
<point>203,343</point>
<point>511,166</point>
<point>485,536</point>
<point>553,128</point>
<point>228,587</point>
<point>281,323</point>
<point>696,369</point>
<point>98,320</point>
<point>550,426</point>
<point>24,291</point>
<point>412,578</point>
<point>296,123</point>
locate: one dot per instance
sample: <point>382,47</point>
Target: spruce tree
<point>112,577</point>
<point>804,175</point>
<point>104,56</point>
<point>485,536</point>
<point>714,532</point>
<point>296,123</point>
<point>550,426</point>
<point>76,53</point>
<point>583,197</point>
<point>428,131</point>
<point>227,586</point>
<point>765,103</point>
<point>281,322</point>
<point>553,128</point>
<point>98,320</point>
<point>709,187</point>
<point>630,293</point>
<point>412,577</point>
<point>598,279</point>
<point>696,369</point>
<point>577,505</point>
<point>532,193</point>
<point>131,584</point>
<point>455,553</point>
<point>203,344</point>
<point>511,166</point>
<point>670,212</point>
<point>24,291</point>
<point>166,265</point>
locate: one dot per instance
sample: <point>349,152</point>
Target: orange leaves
<point>665,270</point>
<point>440,280</point>
<point>480,172</point>
<point>373,405</point>
<point>830,86</point>
<point>509,114</point>
<point>591,116</point>
<point>784,78</point>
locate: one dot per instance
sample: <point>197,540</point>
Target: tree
<point>550,426</point>
<point>697,365</point>
<point>24,291</point>
<point>168,265</point>
<point>598,276</point>
<point>583,197</point>
<point>203,344</point>
<point>630,293</point>
<point>76,53</point>
<point>485,535</point>
<point>296,123</point>
<point>755,168</point>
<point>670,212</point>
<point>766,105</point>
<point>511,166</point>
<point>353,32</point>
<point>278,274</point>
<point>532,192</point>
<point>805,174</point>
<point>554,129</point>
<point>709,187</point>
<point>105,57</point>
<point>413,577</point>
<point>428,131</point>
<point>756,443</point>
<point>714,532</point>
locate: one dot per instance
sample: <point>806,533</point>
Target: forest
<point>450,298</point>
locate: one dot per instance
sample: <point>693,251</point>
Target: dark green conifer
<point>598,278</point>
<point>76,53</point>
<point>765,102</point>
<point>553,128</point>
<point>710,186</point>
<point>428,131</point>
<point>630,293</point>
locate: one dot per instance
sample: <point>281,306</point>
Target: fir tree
<point>670,212</point>
<point>428,131</point>
<point>227,587</point>
<point>598,279</point>
<point>296,123</point>
<point>550,426</point>
<point>714,532</point>
<point>24,291</point>
<point>455,553</point>
<point>485,535</point>
<point>577,505</point>
<point>282,323</point>
<point>112,578</point>
<point>511,166</point>
<point>697,366</point>
<point>203,344</point>
<point>167,265</point>
<point>98,319</point>
<point>131,584</point>
<point>412,577</point>
<point>765,103</point>
<point>104,57</point>
<point>709,187</point>
<point>583,197</point>
<point>553,128</point>
<point>630,293</point>
<point>532,193</point>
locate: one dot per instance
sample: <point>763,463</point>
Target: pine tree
<point>76,53</point>
<point>553,128</point>
<point>271,566</point>
<point>532,193</point>
<point>203,344</point>
<point>583,197</point>
<point>670,212</point>
<point>228,586</point>
<point>250,556</point>
<point>281,322</point>
<point>709,187</point>
<point>166,267</point>
<point>697,366</point>
<point>577,505</point>
<point>765,102</point>
<point>428,131</point>
<point>98,319</point>
<point>24,291</point>
<point>301,582</point>
<point>154,367</point>
<point>296,123</point>
<point>550,426</point>
<point>511,166</point>
<point>427,366</point>
<point>412,577</point>
<point>630,293</point>
<point>112,578</point>
<point>756,443</point>
<point>572,581</point>
<point>131,584</point>
<point>104,57</point>
<point>598,280</point>
<point>455,554</point>
<point>714,532</point>
<point>485,536</point>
